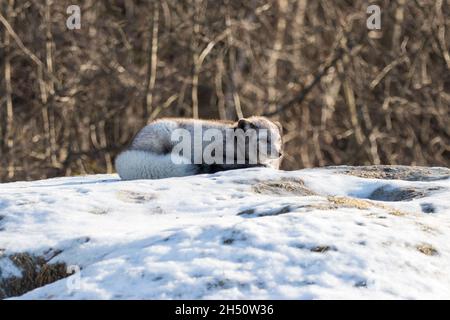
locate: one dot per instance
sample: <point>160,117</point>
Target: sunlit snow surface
<point>244,234</point>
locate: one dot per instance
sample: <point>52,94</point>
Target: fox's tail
<point>138,164</point>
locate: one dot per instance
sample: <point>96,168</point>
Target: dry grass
<point>288,187</point>
<point>36,272</point>
<point>331,203</point>
<point>427,249</point>
<point>350,202</point>
<point>71,100</point>
<point>362,205</point>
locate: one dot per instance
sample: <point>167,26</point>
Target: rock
<point>408,173</point>
<point>389,193</point>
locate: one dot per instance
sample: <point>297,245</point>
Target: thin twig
<point>306,90</point>
<point>30,54</point>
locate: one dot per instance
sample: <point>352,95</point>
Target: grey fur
<point>149,155</point>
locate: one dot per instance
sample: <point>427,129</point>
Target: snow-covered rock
<point>338,232</point>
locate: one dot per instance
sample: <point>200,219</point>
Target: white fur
<point>150,155</point>
<point>138,164</point>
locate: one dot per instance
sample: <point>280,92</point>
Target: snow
<point>215,237</point>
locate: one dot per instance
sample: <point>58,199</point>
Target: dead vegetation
<point>36,272</point>
<point>287,187</point>
<point>427,249</point>
<point>330,203</point>
<point>296,187</point>
<point>361,204</point>
<point>70,100</point>
<point>349,202</point>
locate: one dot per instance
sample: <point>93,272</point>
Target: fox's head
<point>267,134</point>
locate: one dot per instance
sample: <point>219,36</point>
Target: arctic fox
<point>153,152</point>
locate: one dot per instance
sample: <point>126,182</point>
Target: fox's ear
<point>245,124</point>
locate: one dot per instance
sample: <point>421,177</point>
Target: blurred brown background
<point>71,99</point>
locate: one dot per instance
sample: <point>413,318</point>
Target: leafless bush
<point>71,99</point>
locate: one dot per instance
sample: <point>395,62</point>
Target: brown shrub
<point>384,99</point>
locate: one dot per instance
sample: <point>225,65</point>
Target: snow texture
<point>331,233</point>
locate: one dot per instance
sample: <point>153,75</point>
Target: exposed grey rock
<point>408,173</point>
<point>389,193</point>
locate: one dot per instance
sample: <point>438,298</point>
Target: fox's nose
<point>280,154</point>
